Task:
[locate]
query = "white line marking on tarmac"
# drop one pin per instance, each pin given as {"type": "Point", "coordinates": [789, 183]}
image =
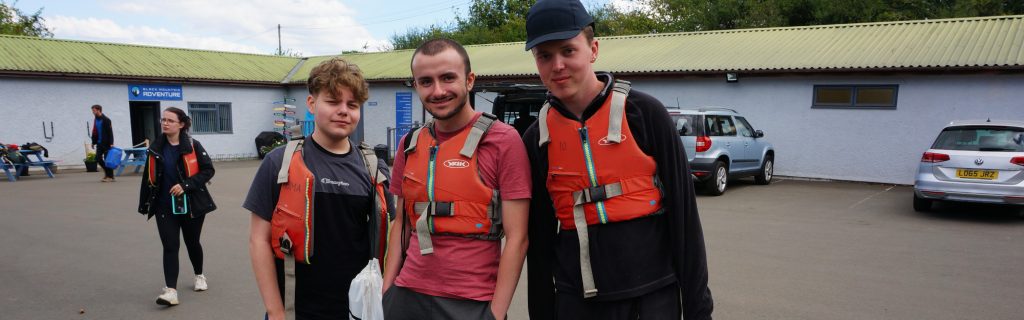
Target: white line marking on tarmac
{"type": "Point", "coordinates": [871, 196]}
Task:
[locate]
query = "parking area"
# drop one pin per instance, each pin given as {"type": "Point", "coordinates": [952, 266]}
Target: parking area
{"type": "Point", "coordinates": [791, 250]}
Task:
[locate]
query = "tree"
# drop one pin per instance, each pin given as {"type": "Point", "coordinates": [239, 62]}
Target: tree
{"type": "Point", "coordinates": [493, 21]}
{"type": "Point", "coordinates": [13, 21]}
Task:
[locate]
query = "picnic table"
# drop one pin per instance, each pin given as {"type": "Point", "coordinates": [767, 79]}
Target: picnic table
{"type": "Point", "coordinates": [133, 157]}
{"type": "Point", "coordinates": [35, 159]}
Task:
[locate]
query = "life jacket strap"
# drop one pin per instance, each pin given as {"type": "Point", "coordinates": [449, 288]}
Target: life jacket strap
{"type": "Point", "coordinates": [286, 162]}
{"type": "Point", "coordinates": [618, 108]}
{"type": "Point", "coordinates": [620, 90]}
{"type": "Point", "coordinates": [542, 125]}
{"type": "Point", "coordinates": [371, 162]}
{"type": "Point", "coordinates": [414, 137]}
{"type": "Point", "coordinates": [586, 271]}
{"type": "Point", "coordinates": [476, 133]}
{"type": "Point", "coordinates": [598, 193]}
{"type": "Point", "coordinates": [423, 233]}
{"type": "Point", "coordinates": [289, 285]}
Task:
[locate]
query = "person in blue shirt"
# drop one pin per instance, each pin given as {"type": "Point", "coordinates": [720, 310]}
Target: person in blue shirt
{"type": "Point", "coordinates": [102, 140]}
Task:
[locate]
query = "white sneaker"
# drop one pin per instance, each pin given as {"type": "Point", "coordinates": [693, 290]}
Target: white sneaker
{"type": "Point", "coordinates": [200, 283]}
{"type": "Point", "coordinates": [169, 298]}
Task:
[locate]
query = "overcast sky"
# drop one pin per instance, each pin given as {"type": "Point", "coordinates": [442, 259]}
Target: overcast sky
{"type": "Point", "coordinates": [310, 27]}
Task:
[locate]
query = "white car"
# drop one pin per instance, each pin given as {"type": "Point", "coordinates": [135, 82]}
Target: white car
{"type": "Point", "coordinates": [973, 161]}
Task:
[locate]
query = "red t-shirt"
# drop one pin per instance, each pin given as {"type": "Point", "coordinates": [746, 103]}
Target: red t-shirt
{"type": "Point", "coordinates": [460, 267]}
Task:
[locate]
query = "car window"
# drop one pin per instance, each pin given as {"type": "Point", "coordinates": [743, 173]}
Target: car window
{"type": "Point", "coordinates": [688, 121]}
{"type": "Point", "coordinates": [744, 128]}
{"type": "Point", "coordinates": [981, 139]}
{"type": "Point", "coordinates": [720, 125]}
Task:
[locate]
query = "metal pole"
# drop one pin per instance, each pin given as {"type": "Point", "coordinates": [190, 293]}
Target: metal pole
{"type": "Point", "coordinates": [279, 52]}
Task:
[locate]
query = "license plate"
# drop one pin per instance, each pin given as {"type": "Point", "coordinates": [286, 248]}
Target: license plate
{"type": "Point", "coordinates": [977, 174]}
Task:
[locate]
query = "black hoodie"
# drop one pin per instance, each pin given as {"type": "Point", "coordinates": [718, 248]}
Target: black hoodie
{"type": "Point", "coordinates": [630, 258]}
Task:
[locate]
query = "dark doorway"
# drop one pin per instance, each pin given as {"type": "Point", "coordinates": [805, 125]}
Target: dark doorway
{"type": "Point", "coordinates": [145, 120]}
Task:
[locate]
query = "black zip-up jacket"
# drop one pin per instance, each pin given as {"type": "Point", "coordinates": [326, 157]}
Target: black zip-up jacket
{"type": "Point", "coordinates": [200, 201]}
{"type": "Point", "coordinates": [630, 258]}
{"type": "Point", "coordinates": [107, 132]}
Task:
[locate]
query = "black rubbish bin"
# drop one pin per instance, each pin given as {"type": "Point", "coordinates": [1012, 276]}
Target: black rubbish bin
{"type": "Point", "coordinates": [381, 151]}
{"type": "Point", "coordinates": [265, 140]}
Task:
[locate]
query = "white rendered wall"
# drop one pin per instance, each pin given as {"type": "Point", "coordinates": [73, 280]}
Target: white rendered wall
{"type": "Point", "coordinates": [859, 145]}
{"type": "Point", "coordinates": [26, 103]}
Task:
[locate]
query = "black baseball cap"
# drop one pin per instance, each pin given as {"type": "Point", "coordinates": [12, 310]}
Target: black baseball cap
{"type": "Point", "coordinates": [555, 20]}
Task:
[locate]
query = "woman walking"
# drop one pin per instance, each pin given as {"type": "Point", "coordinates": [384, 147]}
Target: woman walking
{"type": "Point", "coordinates": [174, 190]}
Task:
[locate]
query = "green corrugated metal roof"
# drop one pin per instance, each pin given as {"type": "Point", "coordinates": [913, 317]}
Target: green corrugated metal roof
{"type": "Point", "coordinates": [972, 43]}
{"type": "Point", "coordinates": [986, 42]}
{"type": "Point", "coordinates": [26, 54]}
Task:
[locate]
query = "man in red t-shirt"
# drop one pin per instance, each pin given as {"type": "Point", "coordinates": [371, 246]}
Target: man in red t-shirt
{"type": "Point", "coordinates": [464, 183]}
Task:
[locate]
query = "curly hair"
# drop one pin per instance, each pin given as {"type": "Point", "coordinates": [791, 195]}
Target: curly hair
{"type": "Point", "coordinates": [335, 73]}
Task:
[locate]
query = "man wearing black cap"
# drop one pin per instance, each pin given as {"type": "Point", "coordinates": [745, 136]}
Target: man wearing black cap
{"type": "Point", "coordinates": [610, 175]}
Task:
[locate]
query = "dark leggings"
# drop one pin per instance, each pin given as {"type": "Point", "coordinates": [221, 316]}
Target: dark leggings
{"type": "Point", "coordinates": [168, 225]}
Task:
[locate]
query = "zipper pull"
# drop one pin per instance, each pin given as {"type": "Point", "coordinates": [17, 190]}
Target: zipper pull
{"type": "Point", "coordinates": [583, 134]}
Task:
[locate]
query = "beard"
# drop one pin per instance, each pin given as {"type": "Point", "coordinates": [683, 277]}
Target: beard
{"type": "Point", "coordinates": [461, 104]}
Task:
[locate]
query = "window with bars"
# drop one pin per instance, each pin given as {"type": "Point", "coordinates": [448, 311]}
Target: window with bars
{"type": "Point", "coordinates": [855, 96]}
{"type": "Point", "coordinates": [210, 117]}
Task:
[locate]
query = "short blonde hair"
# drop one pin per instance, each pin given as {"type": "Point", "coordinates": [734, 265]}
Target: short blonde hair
{"type": "Point", "coordinates": [335, 73]}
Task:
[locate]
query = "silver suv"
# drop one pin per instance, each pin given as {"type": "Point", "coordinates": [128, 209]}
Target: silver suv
{"type": "Point", "coordinates": [722, 145]}
{"type": "Point", "coordinates": [973, 161]}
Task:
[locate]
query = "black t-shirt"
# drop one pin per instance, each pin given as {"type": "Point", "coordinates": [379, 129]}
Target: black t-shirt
{"type": "Point", "coordinates": [629, 258]}
{"type": "Point", "coordinates": [341, 203]}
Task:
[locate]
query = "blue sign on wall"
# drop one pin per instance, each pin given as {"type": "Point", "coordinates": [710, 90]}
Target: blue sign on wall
{"type": "Point", "coordinates": [150, 92]}
{"type": "Point", "coordinates": [403, 114]}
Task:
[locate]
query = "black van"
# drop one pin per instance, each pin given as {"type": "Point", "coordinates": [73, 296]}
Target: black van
{"type": "Point", "coordinates": [516, 104]}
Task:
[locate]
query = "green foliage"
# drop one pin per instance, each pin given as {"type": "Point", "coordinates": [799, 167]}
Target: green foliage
{"type": "Point", "coordinates": [272, 146]}
{"type": "Point", "coordinates": [90, 156]}
{"type": "Point", "coordinates": [496, 21]}
{"type": "Point", "coordinates": [699, 15]}
{"type": "Point", "coordinates": [14, 22]}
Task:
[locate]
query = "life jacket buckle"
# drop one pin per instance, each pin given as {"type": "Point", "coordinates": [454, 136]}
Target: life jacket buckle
{"type": "Point", "coordinates": [286, 244]}
{"type": "Point", "coordinates": [595, 194]}
{"type": "Point", "coordinates": [442, 209]}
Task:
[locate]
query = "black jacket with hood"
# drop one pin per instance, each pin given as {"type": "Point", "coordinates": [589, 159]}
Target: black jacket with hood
{"type": "Point", "coordinates": [200, 202]}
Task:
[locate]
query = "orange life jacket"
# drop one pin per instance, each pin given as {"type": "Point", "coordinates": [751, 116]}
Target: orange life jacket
{"type": "Point", "coordinates": [597, 174]}
{"type": "Point", "coordinates": [292, 221]}
{"type": "Point", "coordinates": [191, 165]}
{"type": "Point", "coordinates": [442, 189]}
{"type": "Point", "coordinates": [291, 226]}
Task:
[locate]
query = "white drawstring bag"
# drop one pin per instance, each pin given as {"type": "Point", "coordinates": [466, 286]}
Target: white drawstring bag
{"type": "Point", "coordinates": [364, 296]}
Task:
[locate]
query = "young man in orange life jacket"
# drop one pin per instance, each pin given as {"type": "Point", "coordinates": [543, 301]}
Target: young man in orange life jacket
{"type": "Point", "coordinates": [613, 218]}
{"type": "Point", "coordinates": [318, 204]}
{"type": "Point", "coordinates": [463, 181]}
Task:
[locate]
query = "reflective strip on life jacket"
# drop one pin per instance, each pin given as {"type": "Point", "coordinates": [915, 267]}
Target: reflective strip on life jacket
{"type": "Point", "coordinates": [598, 174]}
{"type": "Point", "coordinates": [442, 189]}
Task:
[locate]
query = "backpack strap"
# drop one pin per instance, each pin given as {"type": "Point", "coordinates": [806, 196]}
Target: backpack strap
{"type": "Point", "coordinates": [286, 161]}
{"type": "Point", "coordinates": [476, 133]}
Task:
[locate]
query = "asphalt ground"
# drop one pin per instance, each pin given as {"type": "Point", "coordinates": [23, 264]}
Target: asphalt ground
{"type": "Point", "coordinates": [75, 248]}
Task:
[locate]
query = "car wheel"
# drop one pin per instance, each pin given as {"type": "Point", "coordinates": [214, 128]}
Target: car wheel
{"type": "Point", "coordinates": [767, 171]}
{"type": "Point", "coordinates": [719, 179]}
{"type": "Point", "coordinates": [922, 204]}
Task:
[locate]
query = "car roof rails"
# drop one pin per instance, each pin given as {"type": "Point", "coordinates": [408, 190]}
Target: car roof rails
{"type": "Point", "coordinates": [717, 109]}
{"type": "Point", "coordinates": [506, 87]}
